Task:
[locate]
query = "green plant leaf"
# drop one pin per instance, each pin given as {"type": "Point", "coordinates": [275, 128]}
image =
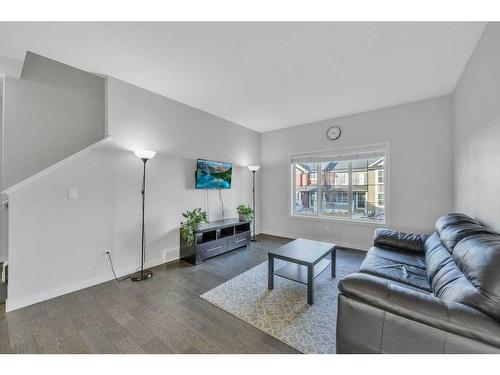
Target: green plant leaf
{"type": "Point", "coordinates": [194, 218]}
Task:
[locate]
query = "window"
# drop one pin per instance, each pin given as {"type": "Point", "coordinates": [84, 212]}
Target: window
{"type": "Point", "coordinates": [306, 182]}
{"type": "Point", "coordinates": [341, 197]}
{"type": "Point", "coordinates": [359, 200]}
{"type": "Point", "coordinates": [340, 187]}
{"type": "Point", "coordinates": [380, 199]}
{"type": "Point", "coordinates": [358, 178]}
{"type": "Point", "coordinates": [380, 176]}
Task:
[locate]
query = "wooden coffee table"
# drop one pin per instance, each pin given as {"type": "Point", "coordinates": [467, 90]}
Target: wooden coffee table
{"type": "Point", "coordinates": [306, 260]}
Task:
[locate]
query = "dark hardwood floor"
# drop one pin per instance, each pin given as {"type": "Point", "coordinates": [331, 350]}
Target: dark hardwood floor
{"type": "Point", "coordinates": [161, 315]}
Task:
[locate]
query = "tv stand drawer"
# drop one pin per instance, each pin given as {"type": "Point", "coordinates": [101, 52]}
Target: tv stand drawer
{"type": "Point", "coordinates": [239, 240]}
{"type": "Point", "coordinates": [213, 248]}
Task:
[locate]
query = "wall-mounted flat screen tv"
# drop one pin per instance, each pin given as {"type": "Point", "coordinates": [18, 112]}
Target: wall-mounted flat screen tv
{"type": "Point", "coordinates": [213, 174]}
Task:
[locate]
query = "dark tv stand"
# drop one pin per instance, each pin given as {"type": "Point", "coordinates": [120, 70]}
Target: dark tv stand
{"type": "Point", "coordinates": [215, 238]}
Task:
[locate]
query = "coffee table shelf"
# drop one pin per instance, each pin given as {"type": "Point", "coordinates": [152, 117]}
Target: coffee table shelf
{"type": "Point", "coordinates": [305, 259]}
{"type": "Point", "coordinates": [297, 272]}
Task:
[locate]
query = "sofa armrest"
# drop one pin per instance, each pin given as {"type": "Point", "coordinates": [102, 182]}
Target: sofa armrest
{"type": "Point", "coordinates": [421, 307]}
{"type": "Point", "coordinates": [399, 240]}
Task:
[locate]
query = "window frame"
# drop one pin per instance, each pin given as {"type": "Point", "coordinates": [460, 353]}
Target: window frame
{"type": "Point", "coordinates": [356, 152]}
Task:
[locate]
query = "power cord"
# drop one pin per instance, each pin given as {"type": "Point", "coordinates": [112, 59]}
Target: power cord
{"type": "Point", "coordinates": [221, 204]}
{"type": "Point", "coordinates": [129, 276]}
{"type": "Point", "coordinates": [113, 270]}
{"type": "Point", "coordinates": [207, 205]}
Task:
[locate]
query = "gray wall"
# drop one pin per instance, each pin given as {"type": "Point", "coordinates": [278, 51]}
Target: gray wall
{"type": "Point", "coordinates": [420, 169]}
{"type": "Point", "coordinates": [180, 134]}
{"type": "Point", "coordinates": [52, 112]}
{"type": "Point", "coordinates": [477, 132]}
{"type": "Point", "coordinates": [43, 125]}
{"type": "Point", "coordinates": [72, 235]}
{"type": "Point", "coordinates": [40, 69]}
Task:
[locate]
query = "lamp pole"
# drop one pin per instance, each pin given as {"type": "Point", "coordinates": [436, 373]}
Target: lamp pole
{"type": "Point", "coordinates": [253, 169]}
{"type": "Point", "coordinates": [254, 237]}
{"type": "Point", "coordinates": [143, 274]}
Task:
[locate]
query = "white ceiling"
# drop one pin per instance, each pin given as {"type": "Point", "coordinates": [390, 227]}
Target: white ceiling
{"type": "Point", "coordinates": [264, 76]}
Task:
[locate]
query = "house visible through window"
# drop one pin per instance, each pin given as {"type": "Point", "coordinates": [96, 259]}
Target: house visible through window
{"type": "Point", "coordinates": [343, 186]}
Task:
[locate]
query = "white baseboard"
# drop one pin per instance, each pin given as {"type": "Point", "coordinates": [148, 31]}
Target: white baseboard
{"type": "Point", "coordinates": [14, 304]}
{"type": "Point", "coordinates": [171, 254]}
{"type": "Point", "coordinates": [348, 245]}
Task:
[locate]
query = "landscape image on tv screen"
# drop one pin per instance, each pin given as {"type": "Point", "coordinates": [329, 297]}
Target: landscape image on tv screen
{"type": "Point", "coordinates": [213, 174]}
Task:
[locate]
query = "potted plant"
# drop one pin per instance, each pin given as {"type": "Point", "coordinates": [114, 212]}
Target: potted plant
{"type": "Point", "coordinates": [188, 228]}
{"type": "Point", "coordinates": [245, 212]}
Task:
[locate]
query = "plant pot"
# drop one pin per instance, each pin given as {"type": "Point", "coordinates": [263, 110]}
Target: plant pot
{"type": "Point", "coordinates": [243, 217]}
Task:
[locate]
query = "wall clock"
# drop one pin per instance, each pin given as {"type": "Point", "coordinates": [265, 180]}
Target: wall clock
{"type": "Point", "coordinates": [333, 133]}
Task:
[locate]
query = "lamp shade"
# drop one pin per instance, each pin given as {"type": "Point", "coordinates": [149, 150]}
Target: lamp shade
{"type": "Point", "coordinates": [254, 168]}
{"type": "Point", "coordinates": [145, 154]}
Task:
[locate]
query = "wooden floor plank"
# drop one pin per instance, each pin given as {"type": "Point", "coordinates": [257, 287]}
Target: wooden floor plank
{"type": "Point", "coordinates": [20, 337]}
{"type": "Point", "coordinates": [70, 338]}
{"type": "Point", "coordinates": [42, 329]}
{"type": "Point", "coordinates": [156, 346]}
{"type": "Point", "coordinates": [4, 336]}
{"type": "Point", "coordinates": [97, 341]}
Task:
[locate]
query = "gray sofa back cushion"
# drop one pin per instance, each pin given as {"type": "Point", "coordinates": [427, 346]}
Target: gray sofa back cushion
{"type": "Point", "coordinates": [453, 234]}
{"type": "Point", "coordinates": [463, 263]}
{"type": "Point", "coordinates": [438, 262]}
{"type": "Point", "coordinates": [453, 219]}
{"type": "Point", "coordinates": [478, 257]}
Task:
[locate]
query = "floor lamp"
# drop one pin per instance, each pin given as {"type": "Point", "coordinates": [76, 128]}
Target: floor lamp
{"type": "Point", "coordinates": [253, 169]}
{"type": "Point", "coordinates": [144, 155]}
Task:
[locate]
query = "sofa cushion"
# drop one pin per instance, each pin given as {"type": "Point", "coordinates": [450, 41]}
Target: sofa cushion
{"type": "Point", "coordinates": [454, 233]}
{"type": "Point", "coordinates": [406, 267]}
{"type": "Point", "coordinates": [454, 219]}
{"type": "Point", "coordinates": [395, 239]}
{"type": "Point", "coordinates": [473, 277]}
{"type": "Point", "coordinates": [438, 261]}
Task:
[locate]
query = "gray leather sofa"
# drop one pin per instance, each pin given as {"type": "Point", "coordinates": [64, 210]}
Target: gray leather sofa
{"type": "Point", "coordinates": [437, 293]}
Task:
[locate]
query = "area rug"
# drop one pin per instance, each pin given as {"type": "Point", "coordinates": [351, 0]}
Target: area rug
{"type": "Point", "coordinates": [283, 312]}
